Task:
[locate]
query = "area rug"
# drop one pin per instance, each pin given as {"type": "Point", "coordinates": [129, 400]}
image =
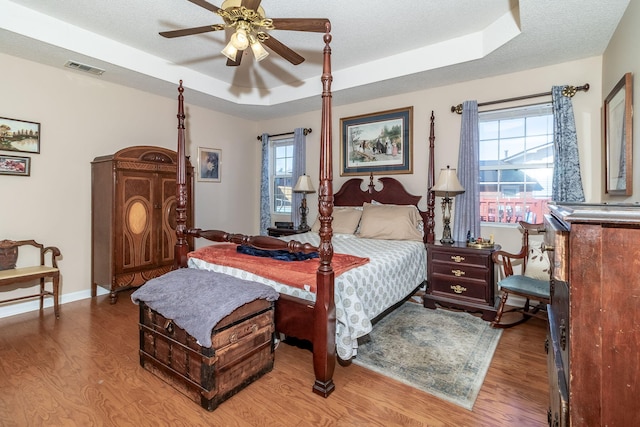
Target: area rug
{"type": "Point", "coordinates": [444, 353]}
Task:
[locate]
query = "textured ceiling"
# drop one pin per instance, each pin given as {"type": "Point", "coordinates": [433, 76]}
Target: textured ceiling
{"type": "Point", "coordinates": [379, 47]}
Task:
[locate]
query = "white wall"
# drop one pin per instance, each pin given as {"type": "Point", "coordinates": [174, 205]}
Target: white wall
{"type": "Point", "coordinates": [83, 117]}
{"type": "Point", "coordinates": [447, 127]}
{"type": "Point", "coordinates": [620, 57]}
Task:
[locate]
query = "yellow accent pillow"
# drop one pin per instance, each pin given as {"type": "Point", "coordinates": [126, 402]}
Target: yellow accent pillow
{"type": "Point", "coordinates": [390, 222]}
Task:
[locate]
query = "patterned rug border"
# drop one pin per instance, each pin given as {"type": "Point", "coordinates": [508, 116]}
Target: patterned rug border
{"type": "Point", "coordinates": [468, 398]}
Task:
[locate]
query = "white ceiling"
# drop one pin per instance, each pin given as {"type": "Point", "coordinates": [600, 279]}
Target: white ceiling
{"type": "Point", "coordinates": [379, 47]}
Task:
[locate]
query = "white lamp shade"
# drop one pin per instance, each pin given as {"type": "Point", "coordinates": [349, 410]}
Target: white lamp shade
{"type": "Point", "coordinates": [259, 51]}
{"type": "Point", "coordinates": [239, 39]}
{"type": "Point", "coordinates": [304, 185]}
{"type": "Point", "coordinates": [447, 183]}
{"type": "Point", "coordinates": [230, 51]}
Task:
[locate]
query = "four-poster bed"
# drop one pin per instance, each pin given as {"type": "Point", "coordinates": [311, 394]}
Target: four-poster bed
{"type": "Point", "coordinates": [297, 317]}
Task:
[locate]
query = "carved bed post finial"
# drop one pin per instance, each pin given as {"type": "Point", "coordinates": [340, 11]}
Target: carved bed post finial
{"type": "Point", "coordinates": [371, 184]}
{"type": "Point", "coordinates": [182, 246]}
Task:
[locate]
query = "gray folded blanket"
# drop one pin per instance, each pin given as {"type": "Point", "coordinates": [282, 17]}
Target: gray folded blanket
{"type": "Point", "coordinates": [196, 300]}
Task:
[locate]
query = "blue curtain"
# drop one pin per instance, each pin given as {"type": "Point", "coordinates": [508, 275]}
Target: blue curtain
{"type": "Point", "coordinates": [567, 181]}
{"type": "Point", "coordinates": [299, 168]}
{"type": "Point", "coordinates": [265, 200]}
{"type": "Point", "coordinates": [466, 206]}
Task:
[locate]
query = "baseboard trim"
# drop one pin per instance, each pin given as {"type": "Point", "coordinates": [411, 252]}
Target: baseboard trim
{"type": "Point", "coordinates": [34, 305]}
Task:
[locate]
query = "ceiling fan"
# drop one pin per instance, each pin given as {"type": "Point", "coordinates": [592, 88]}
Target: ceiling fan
{"type": "Point", "coordinates": [247, 18]}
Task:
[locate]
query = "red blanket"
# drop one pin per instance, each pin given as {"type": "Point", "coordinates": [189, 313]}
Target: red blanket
{"type": "Point", "coordinates": [299, 274]}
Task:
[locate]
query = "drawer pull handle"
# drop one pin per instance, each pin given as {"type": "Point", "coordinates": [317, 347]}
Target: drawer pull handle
{"type": "Point", "coordinates": [547, 248]}
{"type": "Point", "coordinates": [458, 273]}
{"type": "Point", "coordinates": [457, 258]}
{"type": "Point", "coordinates": [458, 289]}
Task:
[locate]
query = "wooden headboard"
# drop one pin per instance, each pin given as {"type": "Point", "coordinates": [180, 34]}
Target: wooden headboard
{"type": "Point", "coordinates": [393, 192]}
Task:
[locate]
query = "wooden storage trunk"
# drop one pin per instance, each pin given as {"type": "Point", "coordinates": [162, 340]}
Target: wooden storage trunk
{"type": "Point", "coordinates": [242, 351]}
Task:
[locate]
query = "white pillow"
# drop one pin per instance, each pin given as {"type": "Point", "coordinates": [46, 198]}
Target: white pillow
{"type": "Point", "coordinates": [538, 266]}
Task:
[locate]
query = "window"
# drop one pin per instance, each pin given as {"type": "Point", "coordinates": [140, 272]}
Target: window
{"type": "Point", "coordinates": [516, 163]}
{"type": "Point", "coordinates": [281, 170]}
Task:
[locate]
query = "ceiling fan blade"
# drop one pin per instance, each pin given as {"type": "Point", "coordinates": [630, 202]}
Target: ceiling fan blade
{"type": "Point", "coordinates": [283, 51]}
{"type": "Point", "coordinates": [206, 5]}
{"type": "Point", "coordinates": [251, 4]}
{"type": "Point", "coordinates": [238, 60]}
{"type": "Point", "coordinates": [189, 31]}
{"type": "Point", "coordinates": [316, 25]}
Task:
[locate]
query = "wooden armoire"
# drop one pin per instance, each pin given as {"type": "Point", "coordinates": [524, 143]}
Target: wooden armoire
{"type": "Point", "coordinates": [133, 216]}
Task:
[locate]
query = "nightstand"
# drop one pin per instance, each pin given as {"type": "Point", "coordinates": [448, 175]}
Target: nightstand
{"type": "Point", "coordinates": [461, 277]}
{"type": "Point", "coordinates": [277, 232]}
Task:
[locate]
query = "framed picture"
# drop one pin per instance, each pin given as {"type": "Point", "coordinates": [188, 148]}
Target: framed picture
{"type": "Point", "coordinates": [618, 138]}
{"type": "Point", "coordinates": [18, 135]}
{"type": "Point", "coordinates": [14, 165]}
{"type": "Point", "coordinates": [379, 143]}
{"type": "Point", "coordinates": [209, 161]}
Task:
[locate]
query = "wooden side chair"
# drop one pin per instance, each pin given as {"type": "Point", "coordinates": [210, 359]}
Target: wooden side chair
{"type": "Point", "coordinates": [532, 284]}
{"type": "Point", "coordinates": [42, 271]}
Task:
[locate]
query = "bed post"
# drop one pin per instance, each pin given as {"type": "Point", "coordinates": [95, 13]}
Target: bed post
{"type": "Point", "coordinates": [324, 311]}
{"type": "Point", "coordinates": [182, 247]}
{"type": "Point", "coordinates": [431, 195]}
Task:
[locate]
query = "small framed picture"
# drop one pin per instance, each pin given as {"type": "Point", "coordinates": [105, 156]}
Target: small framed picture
{"type": "Point", "coordinates": [19, 135]}
{"type": "Point", "coordinates": [15, 165]}
{"type": "Point", "coordinates": [209, 162]}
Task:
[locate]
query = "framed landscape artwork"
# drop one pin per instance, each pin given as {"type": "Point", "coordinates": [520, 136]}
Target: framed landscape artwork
{"type": "Point", "coordinates": [377, 143]}
{"type": "Point", "coordinates": [19, 135]}
{"type": "Point", "coordinates": [209, 161]}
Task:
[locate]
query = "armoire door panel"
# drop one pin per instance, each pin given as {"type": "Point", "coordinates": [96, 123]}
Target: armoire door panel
{"type": "Point", "coordinates": [136, 238]}
{"type": "Point", "coordinates": [167, 228]}
{"type": "Point", "coordinates": [138, 246]}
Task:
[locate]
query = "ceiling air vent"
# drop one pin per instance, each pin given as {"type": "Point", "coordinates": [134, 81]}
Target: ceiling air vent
{"type": "Point", "coordinates": [84, 67]}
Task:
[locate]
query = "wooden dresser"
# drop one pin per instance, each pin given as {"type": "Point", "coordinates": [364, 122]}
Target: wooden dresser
{"type": "Point", "coordinates": [461, 277]}
{"type": "Point", "coordinates": [594, 316]}
{"type": "Point", "coordinates": [133, 216]}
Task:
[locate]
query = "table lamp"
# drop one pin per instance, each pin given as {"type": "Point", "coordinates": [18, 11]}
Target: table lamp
{"type": "Point", "coordinates": [447, 185]}
{"type": "Point", "coordinates": [304, 186]}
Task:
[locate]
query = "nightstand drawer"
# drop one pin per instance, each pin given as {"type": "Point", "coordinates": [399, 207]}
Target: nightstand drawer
{"type": "Point", "coordinates": [459, 257]}
{"type": "Point", "coordinates": [462, 288]}
{"type": "Point", "coordinates": [464, 271]}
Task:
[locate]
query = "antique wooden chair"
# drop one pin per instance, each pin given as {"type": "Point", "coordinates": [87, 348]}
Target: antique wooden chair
{"type": "Point", "coordinates": [45, 269]}
{"type": "Point", "coordinates": [532, 283]}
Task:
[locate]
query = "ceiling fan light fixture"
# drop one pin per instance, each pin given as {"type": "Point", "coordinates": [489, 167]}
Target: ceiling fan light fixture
{"type": "Point", "coordinates": [258, 50]}
{"type": "Point", "coordinates": [230, 51]}
{"type": "Point", "coordinates": [240, 39]}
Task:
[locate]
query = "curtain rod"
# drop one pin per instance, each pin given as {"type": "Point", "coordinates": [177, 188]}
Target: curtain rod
{"type": "Point", "coordinates": [567, 91]}
{"type": "Point", "coordinates": [306, 131]}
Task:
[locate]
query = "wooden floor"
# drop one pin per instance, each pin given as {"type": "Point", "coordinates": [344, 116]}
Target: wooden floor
{"type": "Point", "coordinates": [83, 370]}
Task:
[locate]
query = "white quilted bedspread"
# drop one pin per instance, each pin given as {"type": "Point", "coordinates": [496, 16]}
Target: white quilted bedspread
{"type": "Point", "coordinates": [395, 269]}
